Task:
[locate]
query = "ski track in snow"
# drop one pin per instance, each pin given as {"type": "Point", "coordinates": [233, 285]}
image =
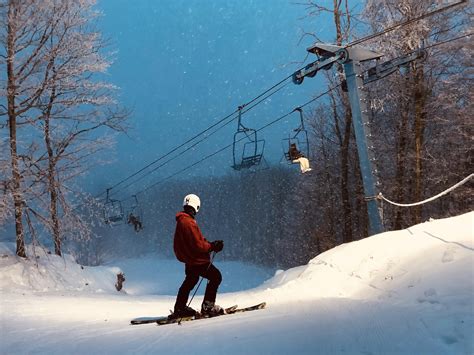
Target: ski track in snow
{"type": "Point", "coordinates": [406, 292]}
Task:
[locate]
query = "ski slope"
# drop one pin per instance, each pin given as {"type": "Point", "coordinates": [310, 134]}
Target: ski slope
{"type": "Point", "coordinates": [403, 292]}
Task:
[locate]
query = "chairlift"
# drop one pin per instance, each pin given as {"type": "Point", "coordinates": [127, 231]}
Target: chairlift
{"type": "Point", "coordinates": [135, 214]}
{"type": "Point", "coordinates": [113, 211]}
{"type": "Point", "coordinates": [247, 148]}
{"type": "Point", "coordinates": [298, 137]}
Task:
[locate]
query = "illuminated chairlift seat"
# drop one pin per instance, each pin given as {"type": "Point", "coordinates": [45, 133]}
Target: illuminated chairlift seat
{"type": "Point", "coordinates": [299, 138]}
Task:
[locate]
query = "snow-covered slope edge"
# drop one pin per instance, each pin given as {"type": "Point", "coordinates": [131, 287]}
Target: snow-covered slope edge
{"type": "Point", "coordinates": [48, 272]}
{"type": "Point", "coordinates": [146, 275]}
{"type": "Point", "coordinates": [428, 262]}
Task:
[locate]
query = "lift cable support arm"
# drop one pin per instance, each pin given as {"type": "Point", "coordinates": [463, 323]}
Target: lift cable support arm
{"type": "Point", "coordinates": [325, 62]}
{"type": "Point", "coordinates": [382, 70]}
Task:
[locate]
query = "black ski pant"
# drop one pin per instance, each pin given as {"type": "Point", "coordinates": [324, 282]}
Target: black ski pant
{"type": "Point", "coordinates": [193, 272]}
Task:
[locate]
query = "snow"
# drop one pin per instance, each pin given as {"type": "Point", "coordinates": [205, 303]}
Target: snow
{"type": "Point", "coordinates": [403, 292]}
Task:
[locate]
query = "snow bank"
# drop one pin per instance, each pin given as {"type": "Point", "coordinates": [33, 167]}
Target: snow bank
{"type": "Point", "coordinates": [148, 275]}
{"type": "Point", "coordinates": [429, 262]}
{"type": "Point", "coordinates": [43, 272]}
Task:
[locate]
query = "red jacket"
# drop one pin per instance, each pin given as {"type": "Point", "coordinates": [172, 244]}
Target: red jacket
{"type": "Point", "coordinates": [190, 246]}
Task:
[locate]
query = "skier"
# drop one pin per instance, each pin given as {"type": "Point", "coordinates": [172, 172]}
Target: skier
{"type": "Point", "coordinates": [135, 221]}
{"type": "Point", "coordinates": [192, 249]}
{"type": "Point", "coordinates": [297, 157]}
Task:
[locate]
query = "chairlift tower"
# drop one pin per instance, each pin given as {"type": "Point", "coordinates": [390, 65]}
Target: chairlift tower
{"type": "Point", "coordinates": [351, 59]}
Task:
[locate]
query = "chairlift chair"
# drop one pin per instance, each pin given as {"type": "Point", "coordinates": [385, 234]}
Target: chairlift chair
{"type": "Point", "coordinates": [135, 209]}
{"type": "Point", "coordinates": [298, 137]}
{"type": "Point", "coordinates": [113, 211]}
{"type": "Point", "coordinates": [247, 148]}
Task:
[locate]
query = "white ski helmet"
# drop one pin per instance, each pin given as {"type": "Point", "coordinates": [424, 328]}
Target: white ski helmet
{"type": "Point", "coordinates": [193, 201]}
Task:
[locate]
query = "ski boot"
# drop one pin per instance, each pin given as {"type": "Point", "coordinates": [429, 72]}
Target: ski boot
{"type": "Point", "coordinates": [185, 312]}
{"type": "Point", "coordinates": [210, 309]}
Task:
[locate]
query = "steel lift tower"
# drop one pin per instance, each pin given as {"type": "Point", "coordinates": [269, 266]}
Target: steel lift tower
{"type": "Point", "coordinates": [355, 78]}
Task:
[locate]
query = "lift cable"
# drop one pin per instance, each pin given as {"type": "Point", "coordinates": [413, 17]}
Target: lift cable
{"type": "Point", "coordinates": [208, 135]}
{"type": "Point", "coordinates": [170, 152]}
{"type": "Point", "coordinates": [405, 23]}
{"type": "Point", "coordinates": [200, 133]}
{"type": "Point", "coordinates": [448, 40]}
{"type": "Point", "coordinates": [230, 145]}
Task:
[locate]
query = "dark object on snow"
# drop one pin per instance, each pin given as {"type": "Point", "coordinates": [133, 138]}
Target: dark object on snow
{"type": "Point", "coordinates": [120, 281]}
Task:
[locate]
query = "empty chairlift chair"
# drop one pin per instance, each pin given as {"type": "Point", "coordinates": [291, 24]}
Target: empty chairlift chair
{"type": "Point", "coordinates": [247, 148]}
{"type": "Point", "coordinates": [113, 211]}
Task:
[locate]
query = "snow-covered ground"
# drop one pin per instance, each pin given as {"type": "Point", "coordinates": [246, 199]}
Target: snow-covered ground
{"type": "Point", "coordinates": [404, 292]}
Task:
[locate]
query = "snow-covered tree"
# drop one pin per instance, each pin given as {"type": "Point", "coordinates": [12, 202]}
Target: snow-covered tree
{"type": "Point", "coordinates": [422, 116]}
{"type": "Point", "coordinates": [24, 31]}
{"type": "Point", "coordinates": [73, 105]}
{"type": "Point", "coordinates": [53, 54]}
{"type": "Point", "coordinates": [417, 114]}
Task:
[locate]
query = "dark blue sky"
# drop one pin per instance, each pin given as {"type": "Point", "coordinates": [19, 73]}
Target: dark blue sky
{"type": "Point", "coordinates": [184, 65]}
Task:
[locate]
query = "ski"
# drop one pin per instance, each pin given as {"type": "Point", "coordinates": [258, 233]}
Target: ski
{"type": "Point", "coordinates": [247, 309]}
{"type": "Point", "coordinates": [167, 320]}
{"type": "Point", "coordinates": [230, 310]}
{"type": "Point", "coordinates": [146, 320]}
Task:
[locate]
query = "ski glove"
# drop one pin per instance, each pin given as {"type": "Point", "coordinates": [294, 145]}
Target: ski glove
{"type": "Point", "coordinates": [217, 246]}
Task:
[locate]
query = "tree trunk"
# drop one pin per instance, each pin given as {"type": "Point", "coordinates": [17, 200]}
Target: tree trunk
{"type": "Point", "coordinates": [420, 122]}
{"type": "Point", "coordinates": [401, 162]}
{"type": "Point", "coordinates": [16, 177]}
{"type": "Point", "coordinates": [51, 172]}
{"type": "Point", "coordinates": [337, 21]}
{"type": "Point", "coordinates": [346, 204]}
{"type": "Point", "coordinates": [53, 193]}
